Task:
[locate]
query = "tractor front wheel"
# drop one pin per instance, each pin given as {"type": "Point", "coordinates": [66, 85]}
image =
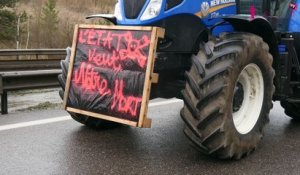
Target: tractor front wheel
{"type": "Point", "coordinates": [83, 119]}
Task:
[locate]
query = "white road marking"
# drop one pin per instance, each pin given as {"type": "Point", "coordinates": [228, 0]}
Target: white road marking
{"type": "Point", "coordinates": [34, 123]}
{"type": "Point", "coordinates": [165, 102]}
{"type": "Point", "coordinates": [65, 118]}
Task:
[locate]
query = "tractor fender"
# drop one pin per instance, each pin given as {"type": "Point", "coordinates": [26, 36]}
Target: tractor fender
{"type": "Point", "coordinates": [259, 26]}
{"type": "Point", "coordinates": [109, 17]}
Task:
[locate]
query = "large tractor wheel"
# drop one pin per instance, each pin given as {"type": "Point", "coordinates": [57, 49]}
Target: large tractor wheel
{"type": "Point", "coordinates": [228, 95]}
{"type": "Point", "coordinates": [291, 109]}
{"type": "Point", "coordinates": [83, 119]}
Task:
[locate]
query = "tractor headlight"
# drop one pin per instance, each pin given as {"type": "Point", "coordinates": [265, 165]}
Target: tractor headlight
{"type": "Point", "coordinates": [153, 9]}
{"type": "Point", "coordinates": [118, 13]}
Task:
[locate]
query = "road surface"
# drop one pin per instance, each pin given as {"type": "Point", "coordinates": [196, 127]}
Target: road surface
{"type": "Point", "coordinates": [49, 142]}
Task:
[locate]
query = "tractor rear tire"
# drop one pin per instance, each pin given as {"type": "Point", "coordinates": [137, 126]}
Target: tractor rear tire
{"type": "Point", "coordinates": [291, 109]}
{"type": "Point", "coordinates": [83, 119]}
{"type": "Point", "coordinates": [228, 95]}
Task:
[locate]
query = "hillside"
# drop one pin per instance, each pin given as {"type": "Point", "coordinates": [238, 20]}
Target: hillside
{"type": "Point", "coordinates": [33, 34]}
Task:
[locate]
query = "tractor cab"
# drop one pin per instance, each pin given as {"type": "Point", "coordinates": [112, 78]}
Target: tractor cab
{"type": "Point", "coordinates": [282, 14]}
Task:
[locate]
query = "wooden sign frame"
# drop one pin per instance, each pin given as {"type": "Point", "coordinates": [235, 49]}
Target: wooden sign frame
{"type": "Point", "coordinates": [150, 77]}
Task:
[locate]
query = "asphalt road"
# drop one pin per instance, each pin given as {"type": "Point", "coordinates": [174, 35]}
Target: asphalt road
{"type": "Point", "coordinates": [63, 146]}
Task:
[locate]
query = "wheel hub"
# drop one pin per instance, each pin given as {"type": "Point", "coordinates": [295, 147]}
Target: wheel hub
{"type": "Point", "coordinates": [248, 98]}
{"type": "Point", "coordinates": [238, 97]}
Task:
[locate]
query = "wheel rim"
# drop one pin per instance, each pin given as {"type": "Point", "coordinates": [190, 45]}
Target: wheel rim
{"type": "Point", "coordinates": [247, 111]}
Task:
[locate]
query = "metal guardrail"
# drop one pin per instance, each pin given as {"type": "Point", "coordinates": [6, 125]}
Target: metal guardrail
{"type": "Point", "coordinates": [29, 73]}
{"type": "Point", "coordinates": [17, 64]}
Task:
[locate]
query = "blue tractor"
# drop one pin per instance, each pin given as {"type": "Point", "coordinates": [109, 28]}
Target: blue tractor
{"type": "Point", "coordinates": [227, 59]}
